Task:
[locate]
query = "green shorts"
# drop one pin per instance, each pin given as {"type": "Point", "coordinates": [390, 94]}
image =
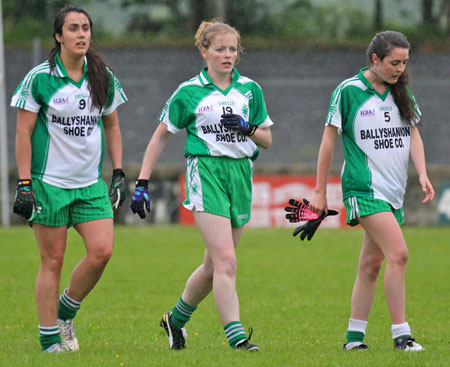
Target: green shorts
{"type": "Point", "coordinates": [67, 207]}
{"type": "Point", "coordinates": [221, 186]}
{"type": "Point", "coordinates": [359, 207]}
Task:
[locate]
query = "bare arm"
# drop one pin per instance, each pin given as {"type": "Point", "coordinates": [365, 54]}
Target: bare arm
{"type": "Point", "coordinates": [26, 121]}
{"type": "Point", "coordinates": [113, 138]}
{"type": "Point", "coordinates": [262, 137]}
{"type": "Point", "coordinates": [319, 201]}
{"type": "Point", "coordinates": [154, 149]}
{"type": "Point", "coordinates": [418, 156]}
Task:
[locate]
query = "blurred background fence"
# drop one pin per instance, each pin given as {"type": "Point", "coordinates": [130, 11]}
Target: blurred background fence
{"type": "Point", "coordinates": [296, 70]}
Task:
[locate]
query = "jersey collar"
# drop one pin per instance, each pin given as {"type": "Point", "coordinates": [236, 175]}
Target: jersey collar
{"type": "Point", "coordinates": [62, 72]}
{"type": "Point", "coordinates": [370, 87]}
{"type": "Point", "coordinates": [206, 80]}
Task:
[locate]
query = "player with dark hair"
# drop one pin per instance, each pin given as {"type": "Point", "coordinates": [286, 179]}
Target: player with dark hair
{"type": "Point", "coordinates": [67, 109]}
{"type": "Point", "coordinates": [377, 116]}
{"type": "Point", "coordinates": [225, 118]}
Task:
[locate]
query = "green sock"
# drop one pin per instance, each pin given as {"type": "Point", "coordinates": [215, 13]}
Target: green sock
{"type": "Point", "coordinates": [68, 307]}
{"type": "Point", "coordinates": [354, 336]}
{"type": "Point", "coordinates": [49, 335]}
{"type": "Point", "coordinates": [234, 332]}
{"type": "Point", "coordinates": [181, 313]}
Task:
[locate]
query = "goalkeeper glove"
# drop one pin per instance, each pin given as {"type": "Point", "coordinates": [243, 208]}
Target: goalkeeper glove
{"type": "Point", "coordinates": [236, 122]}
{"type": "Point", "coordinates": [24, 201]}
{"type": "Point", "coordinates": [140, 197]}
{"type": "Point", "coordinates": [117, 188]}
{"type": "Point", "coordinates": [301, 212]}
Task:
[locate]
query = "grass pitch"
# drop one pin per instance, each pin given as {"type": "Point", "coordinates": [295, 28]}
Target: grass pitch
{"type": "Point", "coordinates": [296, 296]}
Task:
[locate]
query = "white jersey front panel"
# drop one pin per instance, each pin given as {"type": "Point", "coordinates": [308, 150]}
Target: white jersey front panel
{"type": "Point", "coordinates": [75, 147]}
{"type": "Point", "coordinates": [197, 106]}
{"type": "Point", "coordinates": [385, 140]}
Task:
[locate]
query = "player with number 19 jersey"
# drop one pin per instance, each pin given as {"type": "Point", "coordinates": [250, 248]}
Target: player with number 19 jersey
{"type": "Point", "coordinates": [197, 106]}
{"type": "Point", "coordinates": [376, 141]}
{"type": "Point", "coordinates": [67, 141]}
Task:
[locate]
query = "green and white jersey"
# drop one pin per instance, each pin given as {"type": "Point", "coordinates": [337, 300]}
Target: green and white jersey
{"type": "Point", "coordinates": [197, 105]}
{"type": "Point", "coordinates": [376, 141]}
{"type": "Point", "coordinates": [67, 141]}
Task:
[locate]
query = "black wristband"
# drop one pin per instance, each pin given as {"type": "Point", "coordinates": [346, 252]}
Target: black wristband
{"type": "Point", "coordinates": [252, 130]}
{"type": "Point", "coordinates": [143, 183]}
{"type": "Point", "coordinates": [118, 172]}
{"type": "Point", "coordinates": [23, 182]}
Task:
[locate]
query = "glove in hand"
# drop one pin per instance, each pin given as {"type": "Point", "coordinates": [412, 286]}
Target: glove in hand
{"type": "Point", "coordinates": [117, 188]}
{"type": "Point", "coordinates": [24, 201]}
{"type": "Point", "coordinates": [300, 212]}
{"type": "Point", "coordinates": [236, 122]}
{"type": "Point", "coordinates": [140, 197]}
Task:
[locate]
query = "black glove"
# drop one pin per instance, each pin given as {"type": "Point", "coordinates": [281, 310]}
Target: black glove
{"type": "Point", "coordinates": [309, 228]}
{"type": "Point", "coordinates": [117, 188]}
{"type": "Point", "coordinates": [301, 212]}
{"type": "Point", "coordinates": [236, 122]}
{"type": "Point", "coordinates": [140, 197]}
{"type": "Point", "coordinates": [24, 202]}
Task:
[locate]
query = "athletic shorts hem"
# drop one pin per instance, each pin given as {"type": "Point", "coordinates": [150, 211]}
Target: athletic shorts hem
{"type": "Point", "coordinates": [357, 207]}
{"type": "Point", "coordinates": [235, 223]}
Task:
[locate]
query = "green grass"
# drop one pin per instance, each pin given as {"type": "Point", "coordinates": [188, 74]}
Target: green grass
{"type": "Point", "coordinates": [295, 295]}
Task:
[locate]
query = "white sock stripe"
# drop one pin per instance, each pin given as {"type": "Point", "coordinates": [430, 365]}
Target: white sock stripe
{"type": "Point", "coordinates": [182, 309]}
{"type": "Point", "coordinates": [48, 330]}
{"type": "Point", "coordinates": [236, 333]}
{"type": "Point", "coordinates": [234, 329]}
{"type": "Point", "coordinates": [71, 300]}
{"type": "Point", "coordinates": [69, 304]}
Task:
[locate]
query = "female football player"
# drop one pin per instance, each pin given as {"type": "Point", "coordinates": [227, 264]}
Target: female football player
{"type": "Point", "coordinates": [377, 116]}
{"type": "Point", "coordinates": [67, 107]}
{"type": "Point", "coordinates": [225, 118]}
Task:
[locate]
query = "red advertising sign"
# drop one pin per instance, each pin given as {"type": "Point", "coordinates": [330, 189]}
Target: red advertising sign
{"type": "Point", "coordinates": [272, 193]}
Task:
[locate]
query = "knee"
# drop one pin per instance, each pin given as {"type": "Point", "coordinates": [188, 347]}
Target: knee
{"type": "Point", "coordinates": [399, 257]}
{"type": "Point", "coordinates": [101, 256]}
{"type": "Point", "coordinates": [53, 261]}
{"type": "Point", "coordinates": [227, 265]}
{"type": "Point", "coordinates": [371, 267]}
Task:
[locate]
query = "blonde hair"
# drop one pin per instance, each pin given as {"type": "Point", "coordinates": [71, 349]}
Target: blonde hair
{"type": "Point", "coordinates": [208, 30]}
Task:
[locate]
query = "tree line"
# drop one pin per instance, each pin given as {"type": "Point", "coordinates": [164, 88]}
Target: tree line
{"type": "Point", "coordinates": [298, 19]}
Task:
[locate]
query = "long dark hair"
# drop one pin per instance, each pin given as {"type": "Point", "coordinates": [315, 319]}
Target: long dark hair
{"type": "Point", "coordinates": [98, 76]}
{"type": "Point", "coordinates": [382, 45]}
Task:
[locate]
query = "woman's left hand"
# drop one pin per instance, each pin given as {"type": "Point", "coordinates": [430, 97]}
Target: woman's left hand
{"type": "Point", "coordinates": [427, 188]}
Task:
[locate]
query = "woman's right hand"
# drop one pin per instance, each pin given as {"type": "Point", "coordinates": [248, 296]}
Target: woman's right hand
{"type": "Point", "coordinates": [318, 204]}
{"type": "Point", "coordinates": [140, 199]}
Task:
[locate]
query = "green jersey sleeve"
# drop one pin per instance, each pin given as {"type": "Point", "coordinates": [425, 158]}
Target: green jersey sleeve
{"type": "Point", "coordinates": [116, 95]}
{"type": "Point", "coordinates": [176, 113]}
{"type": "Point", "coordinates": [26, 95]}
{"type": "Point", "coordinates": [258, 111]}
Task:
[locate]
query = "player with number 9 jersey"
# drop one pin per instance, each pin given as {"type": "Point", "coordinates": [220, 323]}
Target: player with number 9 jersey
{"type": "Point", "coordinates": [66, 115]}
